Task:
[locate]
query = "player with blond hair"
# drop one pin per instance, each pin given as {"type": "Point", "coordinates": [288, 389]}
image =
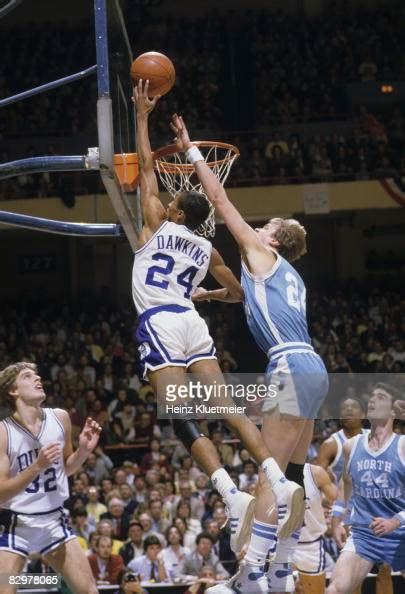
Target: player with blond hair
{"type": "Point", "coordinates": [275, 305]}
{"type": "Point", "coordinates": [36, 457]}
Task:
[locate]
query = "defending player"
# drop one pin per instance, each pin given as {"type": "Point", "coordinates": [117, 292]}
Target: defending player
{"type": "Point", "coordinates": [36, 457]}
{"type": "Point", "coordinates": [375, 481]}
{"type": "Point", "coordinates": [309, 556]}
{"type": "Point", "coordinates": [168, 267]}
{"type": "Point", "coordinates": [275, 307]}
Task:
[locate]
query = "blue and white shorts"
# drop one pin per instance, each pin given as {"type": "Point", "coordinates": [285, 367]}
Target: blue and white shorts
{"type": "Point", "coordinates": [389, 549]}
{"type": "Point", "coordinates": [28, 533]}
{"type": "Point", "coordinates": [310, 557]}
{"type": "Point", "coordinates": [172, 335]}
{"type": "Point", "coordinates": [300, 381]}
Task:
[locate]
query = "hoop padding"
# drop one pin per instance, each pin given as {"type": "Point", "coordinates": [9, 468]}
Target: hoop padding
{"type": "Point", "coordinates": [179, 176]}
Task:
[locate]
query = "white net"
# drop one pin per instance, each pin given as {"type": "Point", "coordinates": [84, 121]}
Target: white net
{"type": "Point", "coordinates": [179, 176]}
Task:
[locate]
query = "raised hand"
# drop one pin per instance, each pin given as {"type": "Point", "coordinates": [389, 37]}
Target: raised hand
{"type": "Point", "coordinates": [144, 104]}
{"type": "Point", "coordinates": [89, 436]}
{"type": "Point", "coordinates": [182, 138]}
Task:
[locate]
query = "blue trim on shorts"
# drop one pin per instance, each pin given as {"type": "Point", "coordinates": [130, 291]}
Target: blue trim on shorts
{"type": "Point", "coordinates": [174, 308]}
{"type": "Point", "coordinates": [160, 346]}
{"type": "Point", "coordinates": [13, 527]}
{"type": "Point", "coordinates": [209, 354]}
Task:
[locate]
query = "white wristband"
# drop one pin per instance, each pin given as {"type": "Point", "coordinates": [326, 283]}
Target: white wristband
{"type": "Point", "coordinates": [401, 517]}
{"type": "Point", "coordinates": [193, 154]}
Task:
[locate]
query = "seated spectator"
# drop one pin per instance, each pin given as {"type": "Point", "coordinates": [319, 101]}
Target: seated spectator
{"type": "Point", "coordinates": [154, 455]}
{"type": "Point", "coordinates": [127, 495]}
{"type": "Point", "coordinates": [105, 528]}
{"type": "Point", "coordinates": [193, 526]}
{"type": "Point", "coordinates": [204, 555]}
{"type": "Point", "coordinates": [105, 566]}
{"type": "Point", "coordinates": [206, 579]}
{"type": "Point", "coordinates": [127, 418]}
{"type": "Point", "coordinates": [175, 553]}
{"type": "Point", "coordinates": [221, 541]}
{"type": "Point", "coordinates": [120, 520]}
{"type": "Point", "coordinates": [145, 520]}
{"type": "Point", "coordinates": [140, 492]}
{"type": "Point", "coordinates": [249, 476]}
{"type": "Point", "coordinates": [133, 547]}
{"type": "Point", "coordinates": [83, 524]}
{"type": "Point", "coordinates": [149, 566]}
{"type": "Point", "coordinates": [106, 488]}
{"type": "Point", "coordinates": [187, 493]}
{"type": "Point", "coordinates": [98, 465]}
{"type": "Point", "coordinates": [129, 583]}
{"type": "Point", "coordinates": [159, 523]}
{"type": "Point", "coordinates": [94, 506]}
{"type": "Point", "coordinates": [225, 450]}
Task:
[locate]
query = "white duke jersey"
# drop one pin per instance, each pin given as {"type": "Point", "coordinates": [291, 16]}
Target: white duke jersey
{"type": "Point", "coordinates": [275, 305]}
{"type": "Point", "coordinates": [314, 519]}
{"type": "Point", "coordinates": [378, 479]}
{"type": "Point", "coordinates": [169, 267]}
{"type": "Point", "coordinates": [50, 488]}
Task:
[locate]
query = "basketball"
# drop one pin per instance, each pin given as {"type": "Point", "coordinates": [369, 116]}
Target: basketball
{"type": "Point", "coordinates": [157, 68]}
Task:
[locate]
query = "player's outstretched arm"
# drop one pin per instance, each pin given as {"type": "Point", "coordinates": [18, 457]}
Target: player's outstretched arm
{"type": "Point", "coordinates": [327, 452]}
{"type": "Point", "coordinates": [88, 440]}
{"type": "Point", "coordinates": [242, 232]}
{"type": "Point", "coordinates": [232, 291]}
{"type": "Point", "coordinates": [152, 209]}
{"type": "Point", "coordinates": [10, 487]}
{"type": "Point", "coordinates": [324, 483]}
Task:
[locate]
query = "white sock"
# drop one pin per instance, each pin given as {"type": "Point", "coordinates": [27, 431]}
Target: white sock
{"type": "Point", "coordinates": [262, 542]}
{"type": "Point", "coordinates": [272, 471]}
{"type": "Point", "coordinates": [224, 484]}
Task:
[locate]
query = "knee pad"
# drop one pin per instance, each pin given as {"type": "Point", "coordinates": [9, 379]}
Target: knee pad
{"type": "Point", "coordinates": [187, 430]}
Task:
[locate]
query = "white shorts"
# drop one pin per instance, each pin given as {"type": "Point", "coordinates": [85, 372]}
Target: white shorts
{"type": "Point", "coordinates": [172, 335]}
{"type": "Point", "coordinates": [309, 557]}
{"type": "Point", "coordinates": [28, 533]}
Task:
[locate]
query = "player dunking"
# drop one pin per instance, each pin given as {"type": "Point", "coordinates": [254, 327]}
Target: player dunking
{"type": "Point", "coordinates": [168, 267]}
{"type": "Point", "coordinates": [276, 314]}
{"type": "Point", "coordinates": [36, 457]}
{"type": "Point", "coordinates": [375, 480]}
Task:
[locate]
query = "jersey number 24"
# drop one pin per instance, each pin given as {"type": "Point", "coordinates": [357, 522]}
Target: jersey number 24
{"type": "Point", "coordinates": [185, 278]}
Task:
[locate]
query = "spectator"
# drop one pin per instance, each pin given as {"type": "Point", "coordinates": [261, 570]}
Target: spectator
{"type": "Point", "coordinates": [206, 579]}
{"type": "Point", "coordinates": [105, 528]}
{"type": "Point", "coordinates": [133, 547]}
{"type": "Point", "coordinates": [120, 520]}
{"type": "Point", "coordinates": [127, 496]}
{"type": "Point", "coordinates": [105, 566]}
{"type": "Point", "coordinates": [175, 553]}
{"type": "Point", "coordinates": [159, 523]}
{"type": "Point", "coordinates": [83, 524]}
{"type": "Point", "coordinates": [249, 477]}
{"type": "Point", "coordinates": [98, 465]}
{"type": "Point", "coordinates": [203, 555]}
{"type": "Point", "coordinates": [149, 566]}
{"type": "Point", "coordinates": [193, 526]}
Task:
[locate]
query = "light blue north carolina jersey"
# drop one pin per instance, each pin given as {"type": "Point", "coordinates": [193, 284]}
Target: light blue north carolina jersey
{"type": "Point", "coordinates": [378, 480]}
{"type": "Point", "coordinates": [275, 305]}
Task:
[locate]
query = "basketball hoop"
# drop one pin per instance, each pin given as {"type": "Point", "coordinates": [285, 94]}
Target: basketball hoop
{"type": "Point", "coordinates": [179, 176]}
